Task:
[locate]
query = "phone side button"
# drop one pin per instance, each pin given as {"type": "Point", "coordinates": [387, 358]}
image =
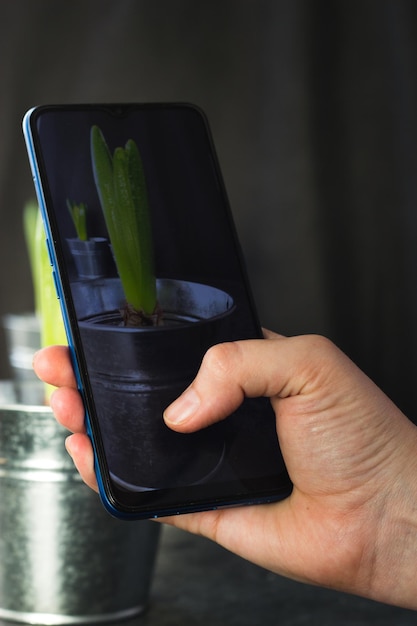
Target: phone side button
{"type": "Point", "coordinates": [48, 245]}
{"type": "Point", "coordinates": [55, 283]}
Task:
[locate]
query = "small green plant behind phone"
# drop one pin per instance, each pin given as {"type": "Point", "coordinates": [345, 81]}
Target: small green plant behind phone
{"type": "Point", "coordinates": [121, 187]}
{"type": "Point", "coordinates": [47, 307]}
{"type": "Point", "coordinates": [78, 212]}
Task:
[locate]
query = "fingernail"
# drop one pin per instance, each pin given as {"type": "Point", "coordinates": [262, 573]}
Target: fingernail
{"type": "Point", "coordinates": [183, 408]}
{"type": "Point", "coordinates": [34, 358]}
{"type": "Point", "coordinates": [68, 445]}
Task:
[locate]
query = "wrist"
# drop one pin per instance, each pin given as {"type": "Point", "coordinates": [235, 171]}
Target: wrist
{"type": "Point", "coordinates": [394, 562]}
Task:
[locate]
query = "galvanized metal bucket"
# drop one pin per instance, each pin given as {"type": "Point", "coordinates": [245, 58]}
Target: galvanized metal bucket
{"type": "Point", "coordinates": [63, 559]}
{"type": "Point", "coordinates": [22, 334]}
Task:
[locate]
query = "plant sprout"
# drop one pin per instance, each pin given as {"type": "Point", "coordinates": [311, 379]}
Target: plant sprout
{"type": "Point", "coordinates": [47, 307]}
{"type": "Point", "coordinates": [79, 217]}
{"type": "Point", "coordinates": [121, 187]}
{"type": "Point", "coordinates": [30, 218]}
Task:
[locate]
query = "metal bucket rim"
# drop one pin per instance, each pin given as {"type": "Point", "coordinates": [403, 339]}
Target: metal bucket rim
{"type": "Point", "coordinates": [19, 407]}
{"type": "Point", "coordinates": [56, 619]}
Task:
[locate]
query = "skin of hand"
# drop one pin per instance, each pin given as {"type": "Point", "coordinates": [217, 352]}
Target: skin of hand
{"type": "Point", "coordinates": [351, 521]}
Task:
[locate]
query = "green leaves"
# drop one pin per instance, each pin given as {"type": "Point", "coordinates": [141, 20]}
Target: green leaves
{"type": "Point", "coordinates": [122, 191]}
{"type": "Point", "coordinates": [30, 220]}
{"type": "Point", "coordinates": [47, 305]}
{"type": "Point", "coordinates": [79, 217]}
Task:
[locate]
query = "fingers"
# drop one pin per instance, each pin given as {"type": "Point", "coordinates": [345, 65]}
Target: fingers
{"type": "Point", "coordinates": [53, 365]}
{"type": "Point", "coordinates": [276, 366]}
{"type": "Point", "coordinates": [68, 409]}
{"type": "Point", "coordinates": [80, 449]}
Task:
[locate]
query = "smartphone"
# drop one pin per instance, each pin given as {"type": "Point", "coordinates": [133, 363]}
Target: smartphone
{"type": "Point", "coordinates": [149, 273]}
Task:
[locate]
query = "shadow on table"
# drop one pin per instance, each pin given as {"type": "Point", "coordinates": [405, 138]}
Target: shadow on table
{"type": "Point", "coordinates": [198, 583]}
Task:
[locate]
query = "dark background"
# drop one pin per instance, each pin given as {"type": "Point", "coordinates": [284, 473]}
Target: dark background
{"type": "Point", "coordinates": [313, 107]}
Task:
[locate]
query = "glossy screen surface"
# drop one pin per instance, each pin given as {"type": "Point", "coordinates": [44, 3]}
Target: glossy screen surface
{"type": "Point", "coordinates": [202, 298]}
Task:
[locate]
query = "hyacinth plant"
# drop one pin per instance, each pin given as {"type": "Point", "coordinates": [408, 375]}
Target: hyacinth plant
{"type": "Point", "coordinates": [122, 190]}
{"type": "Point", "coordinates": [47, 307]}
{"type": "Point", "coordinates": [78, 212]}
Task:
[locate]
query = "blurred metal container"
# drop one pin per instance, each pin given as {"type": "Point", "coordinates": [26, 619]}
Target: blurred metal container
{"type": "Point", "coordinates": [22, 333]}
{"type": "Point", "coordinates": [63, 559]}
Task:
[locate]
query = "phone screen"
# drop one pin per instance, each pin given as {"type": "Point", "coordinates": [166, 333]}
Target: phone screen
{"type": "Point", "coordinates": [133, 201]}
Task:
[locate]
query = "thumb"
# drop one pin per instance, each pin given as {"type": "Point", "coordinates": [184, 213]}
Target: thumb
{"type": "Point", "coordinates": [232, 371]}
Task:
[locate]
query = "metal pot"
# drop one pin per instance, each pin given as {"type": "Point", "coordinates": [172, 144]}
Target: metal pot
{"type": "Point", "coordinates": [22, 331]}
{"type": "Point", "coordinates": [92, 258]}
{"type": "Point", "coordinates": [137, 372]}
{"type": "Point", "coordinates": [63, 559]}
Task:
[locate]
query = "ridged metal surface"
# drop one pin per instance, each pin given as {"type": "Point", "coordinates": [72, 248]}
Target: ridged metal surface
{"type": "Point", "coordinates": [63, 559]}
